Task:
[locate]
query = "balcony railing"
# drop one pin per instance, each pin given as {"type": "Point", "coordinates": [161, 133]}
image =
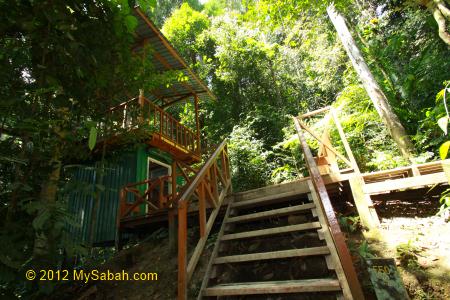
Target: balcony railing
{"type": "Point", "coordinates": [142, 113]}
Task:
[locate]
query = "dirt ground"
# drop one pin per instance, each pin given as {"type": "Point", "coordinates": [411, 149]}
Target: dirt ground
{"type": "Point", "coordinates": [150, 256]}
{"type": "Point", "coordinates": [420, 241]}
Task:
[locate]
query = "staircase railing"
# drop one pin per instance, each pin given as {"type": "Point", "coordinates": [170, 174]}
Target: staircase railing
{"type": "Point", "coordinates": [140, 111]}
{"type": "Point", "coordinates": [210, 186]}
{"type": "Point", "coordinates": [153, 203]}
{"type": "Point", "coordinates": [328, 211]}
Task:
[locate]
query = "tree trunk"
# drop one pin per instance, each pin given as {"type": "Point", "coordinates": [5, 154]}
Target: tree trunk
{"type": "Point", "coordinates": [377, 96]}
{"type": "Point", "coordinates": [441, 14]}
{"type": "Point", "coordinates": [44, 243]}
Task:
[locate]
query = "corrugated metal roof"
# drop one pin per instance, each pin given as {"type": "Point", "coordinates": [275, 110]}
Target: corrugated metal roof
{"type": "Point", "coordinates": [166, 57]}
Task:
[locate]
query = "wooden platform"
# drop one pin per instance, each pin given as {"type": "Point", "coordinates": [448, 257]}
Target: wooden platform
{"type": "Point", "coordinates": [399, 179]}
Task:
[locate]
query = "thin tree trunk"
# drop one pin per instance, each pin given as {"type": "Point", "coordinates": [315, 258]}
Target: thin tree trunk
{"type": "Point", "coordinates": [44, 244]}
{"type": "Point", "coordinates": [377, 96]}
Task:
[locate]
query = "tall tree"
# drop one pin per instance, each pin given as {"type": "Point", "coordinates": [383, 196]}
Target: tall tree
{"type": "Point", "coordinates": [375, 93]}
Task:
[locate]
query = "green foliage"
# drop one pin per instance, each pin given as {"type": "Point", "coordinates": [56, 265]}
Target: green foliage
{"type": "Point", "coordinates": [369, 139]}
{"type": "Point", "coordinates": [364, 251]}
{"type": "Point", "coordinates": [249, 165]}
{"type": "Point", "coordinates": [444, 209]}
{"type": "Point", "coordinates": [350, 223]}
{"type": "Point", "coordinates": [407, 254]}
{"type": "Point", "coordinates": [182, 28]}
{"type": "Point", "coordinates": [64, 64]}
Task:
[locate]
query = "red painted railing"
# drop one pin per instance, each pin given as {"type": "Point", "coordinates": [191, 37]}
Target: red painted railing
{"type": "Point", "coordinates": [208, 187]}
{"type": "Point", "coordinates": [140, 112]}
{"type": "Point", "coordinates": [153, 202]}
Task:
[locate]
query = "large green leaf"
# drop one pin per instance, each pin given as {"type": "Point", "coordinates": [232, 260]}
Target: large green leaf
{"type": "Point", "coordinates": [443, 124]}
{"type": "Point", "coordinates": [443, 150]}
{"type": "Point", "coordinates": [92, 138]}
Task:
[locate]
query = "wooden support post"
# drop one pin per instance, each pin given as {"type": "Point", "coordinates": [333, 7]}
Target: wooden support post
{"type": "Point", "coordinates": [197, 122]}
{"type": "Point", "coordinates": [172, 208]}
{"type": "Point", "coordinates": [213, 178]}
{"type": "Point", "coordinates": [364, 205]}
{"type": "Point", "coordinates": [174, 175]}
{"type": "Point", "coordinates": [224, 165]}
{"type": "Point", "coordinates": [344, 141]}
{"type": "Point", "coordinates": [172, 231]}
{"type": "Point", "coordinates": [202, 209]}
{"type": "Point", "coordinates": [182, 250]}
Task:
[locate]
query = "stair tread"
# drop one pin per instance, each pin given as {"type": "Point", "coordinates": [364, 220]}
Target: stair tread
{"type": "Point", "coordinates": [263, 200]}
{"type": "Point", "coordinates": [272, 255]}
{"type": "Point", "coordinates": [274, 287]}
{"type": "Point", "coordinates": [271, 213]}
{"type": "Point", "coordinates": [271, 231]}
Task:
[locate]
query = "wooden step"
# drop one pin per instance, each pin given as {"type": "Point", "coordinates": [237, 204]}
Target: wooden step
{"type": "Point", "coordinates": [274, 287]}
{"type": "Point", "coordinates": [271, 231]}
{"type": "Point", "coordinates": [272, 255]}
{"type": "Point", "coordinates": [269, 199]}
{"type": "Point", "coordinates": [271, 213]}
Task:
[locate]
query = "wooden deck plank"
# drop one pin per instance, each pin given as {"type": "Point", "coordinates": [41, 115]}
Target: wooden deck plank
{"type": "Point", "coordinates": [267, 199]}
{"type": "Point", "coordinates": [272, 255]}
{"type": "Point", "coordinates": [274, 287]}
{"type": "Point", "coordinates": [271, 213]}
{"type": "Point", "coordinates": [271, 231]}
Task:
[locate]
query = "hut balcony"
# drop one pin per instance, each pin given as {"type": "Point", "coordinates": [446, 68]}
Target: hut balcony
{"type": "Point", "coordinates": [140, 119]}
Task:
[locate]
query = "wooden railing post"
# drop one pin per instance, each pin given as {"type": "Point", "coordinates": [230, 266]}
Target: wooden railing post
{"type": "Point", "coordinates": [202, 209]}
{"type": "Point", "coordinates": [141, 106]}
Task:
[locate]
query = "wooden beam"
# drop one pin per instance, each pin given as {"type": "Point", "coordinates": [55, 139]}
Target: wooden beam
{"type": "Point", "coordinates": [322, 250]}
{"type": "Point", "coordinates": [271, 231]}
{"type": "Point", "coordinates": [273, 287]}
{"type": "Point", "coordinates": [405, 183]}
{"type": "Point", "coordinates": [272, 213]}
{"type": "Point", "coordinates": [315, 112]}
{"type": "Point", "coordinates": [311, 132]}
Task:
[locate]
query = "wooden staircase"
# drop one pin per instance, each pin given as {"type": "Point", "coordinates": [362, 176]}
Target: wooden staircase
{"type": "Point", "coordinates": [275, 246]}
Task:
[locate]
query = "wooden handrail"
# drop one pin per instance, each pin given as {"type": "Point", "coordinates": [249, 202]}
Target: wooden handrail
{"type": "Point", "coordinates": [122, 104]}
{"type": "Point", "coordinates": [206, 185]}
{"type": "Point", "coordinates": [327, 208]}
{"type": "Point", "coordinates": [127, 208]}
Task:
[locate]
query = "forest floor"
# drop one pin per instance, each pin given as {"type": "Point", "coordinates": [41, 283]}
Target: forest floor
{"type": "Point", "coordinates": [416, 238]}
{"type": "Point", "coordinates": [420, 243]}
{"type": "Point", "coordinates": [153, 256]}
